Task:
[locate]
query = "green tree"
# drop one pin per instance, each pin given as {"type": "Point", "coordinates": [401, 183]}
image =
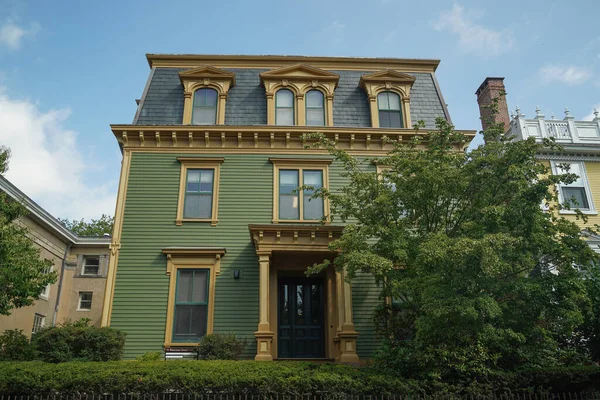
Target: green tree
{"type": "Point", "coordinates": [482, 279]}
{"type": "Point", "coordinates": [23, 274]}
{"type": "Point", "coordinates": [96, 227]}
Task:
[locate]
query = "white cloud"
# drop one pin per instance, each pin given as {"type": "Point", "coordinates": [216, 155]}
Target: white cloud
{"type": "Point", "coordinates": [591, 115]}
{"type": "Point", "coordinates": [570, 75]}
{"type": "Point", "coordinates": [472, 37]}
{"type": "Point", "coordinates": [46, 163]}
{"type": "Point", "coordinates": [12, 34]}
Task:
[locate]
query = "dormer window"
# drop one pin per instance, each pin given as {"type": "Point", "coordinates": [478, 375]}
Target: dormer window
{"type": "Point", "coordinates": [205, 107]}
{"type": "Point", "coordinates": [390, 112]}
{"type": "Point", "coordinates": [299, 95]}
{"type": "Point", "coordinates": [315, 108]}
{"type": "Point", "coordinates": [284, 107]}
{"type": "Point", "coordinates": [389, 98]}
{"type": "Point", "coordinates": [205, 94]}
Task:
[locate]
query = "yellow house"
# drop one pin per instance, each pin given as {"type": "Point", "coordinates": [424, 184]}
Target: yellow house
{"type": "Point", "coordinates": [580, 141]}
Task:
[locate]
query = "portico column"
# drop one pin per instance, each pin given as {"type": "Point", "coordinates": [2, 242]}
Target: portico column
{"type": "Point", "coordinates": [264, 335]}
{"type": "Point", "coordinates": [347, 335]}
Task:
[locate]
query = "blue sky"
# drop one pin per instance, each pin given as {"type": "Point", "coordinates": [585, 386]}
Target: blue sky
{"type": "Point", "coordinates": [68, 69]}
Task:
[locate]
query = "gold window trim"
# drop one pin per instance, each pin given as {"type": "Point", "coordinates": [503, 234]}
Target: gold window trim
{"type": "Point", "coordinates": [191, 258]}
{"type": "Point", "coordinates": [300, 79]}
{"type": "Point", "coordinates": [201, 78]}
{"type": "Point", "coordinates": [199, 163]}
{"type": "Point", "coordinates": [388, 81]}
{"type": "Point", "coordinates": [300, 164]}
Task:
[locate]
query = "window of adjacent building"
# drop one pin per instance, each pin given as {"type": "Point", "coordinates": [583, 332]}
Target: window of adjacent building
{"type": "Point", "coordinates": [38, 322]}
{"type": "Point", "coordinates": [315, 108]}
{"type": "Point", "coordinates": [294, 203]}
{"type": "Point", "coordinates": [284, 107]}
{"type": "Point", "coordinates": [91, 265]}
{"type": "Point", "coordinates": [198, 193]}
{"type": "Point", "coordinates": [191, 305]}
{"type": "Point", "coordinates": [46, 292]}
{"type": "Point", "coordinates": [205, 107]}
{"type": "Point", "coordinates": [390, 113]}
{"type": "Point", "coordinates": [85, 301]}
{"type": "Point", "coordinates": [577, 193]}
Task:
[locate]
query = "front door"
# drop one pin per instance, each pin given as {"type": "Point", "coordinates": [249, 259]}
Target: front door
{"type": "Point", "coordinates": [301, 318]}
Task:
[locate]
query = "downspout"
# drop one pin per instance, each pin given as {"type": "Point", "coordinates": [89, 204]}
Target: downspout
{"type": "Point", "coordinates": [60, 282]}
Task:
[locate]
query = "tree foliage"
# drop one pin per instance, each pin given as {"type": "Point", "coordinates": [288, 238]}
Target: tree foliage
{"type": "Point", "coordinates": [482, 278]}
{"type": "Point", "coordinates": [23, 274]}
{"type": "Point", "coordinates": [96, 227]}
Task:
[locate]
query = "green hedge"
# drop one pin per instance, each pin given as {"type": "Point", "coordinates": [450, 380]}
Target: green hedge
{"type": "Point", "coordinates": [200, 377]}
{"type": "Point", "coordinates": [266, 378]}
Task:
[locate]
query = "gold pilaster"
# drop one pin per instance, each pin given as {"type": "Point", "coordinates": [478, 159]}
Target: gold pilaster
{"type": "Point", "coordinates": [264, 335]}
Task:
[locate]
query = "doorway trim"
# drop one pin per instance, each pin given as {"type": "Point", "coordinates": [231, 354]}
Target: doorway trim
{"type": "Point", "coordinates": [304, 239]}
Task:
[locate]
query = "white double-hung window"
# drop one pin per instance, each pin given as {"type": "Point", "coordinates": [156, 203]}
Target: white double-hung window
{"type": "Point", "coordinates": [576, 194]}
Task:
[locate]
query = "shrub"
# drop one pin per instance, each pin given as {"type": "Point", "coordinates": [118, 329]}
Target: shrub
{"type": "Point", "coordinates": [221, 346]}
{"type": "Point", "coordinates": [78, 342]}
{"type": "Point", "coordinates": [150, 356]}
{"type": "Point", "coordinates": [15, 346]}
{"type": "Point", "coordinates": [195, 377]}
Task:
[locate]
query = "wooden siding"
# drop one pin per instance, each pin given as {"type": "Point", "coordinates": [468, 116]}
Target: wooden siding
{"type": "Point", "coordinates": [245, 197]}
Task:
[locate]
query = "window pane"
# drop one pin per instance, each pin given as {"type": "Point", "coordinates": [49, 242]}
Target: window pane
{"type": "Point", "coordinates": [204, 116]}
{"type": "Point", "coordinates": [199, 293]}
{"type": "Point", "coordinates": [285, 116]}
{"type": "Point", "coordinates": [288, 180]}
{"type": "Point", "coordinates": [382, 101]}
{"type": "Point", "coordinates": [184, 286]}
{"type": "Point", "coordinates": [313, 208]}
{"type": "Point", "coordinates": [197, 206]}
{"type": "Point", "coordinates": [198, 328]}
{"type": "Point", "coordinates": [384, 119]}
{"type": "Point", "coordinates": [288, 206]}
{"type": "Point", "coordinates": [284, 98]}
{"type": "Point", "coordinates": [183, 315]}
{"type": "Point", "coordinates": [315, 117]}
{"type": "Point", "coordinates": [205, 98]}
{"type": "Point", "coordinates": [206, 180]}
{"type": "Point", "coordinates": [91, 261]}
{"type": "Point", "coordinates": [574, 169]}
{"type": "Point", "coordinates": [193, 180]}
{"type": "Point", "coordinates": [576, 197]}
{"type": "Point", "coordinates": [314, 98]}
{"type": "Point", "coordinates": [394, 101]}
{"type": "Point", "coordinates": [313, 178]}
{"type": "Point", "coordinates": [395, 120]}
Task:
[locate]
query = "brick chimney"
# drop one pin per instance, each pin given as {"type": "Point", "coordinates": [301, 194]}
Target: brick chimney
{"type": "Point", "coordinates": [488, 90]}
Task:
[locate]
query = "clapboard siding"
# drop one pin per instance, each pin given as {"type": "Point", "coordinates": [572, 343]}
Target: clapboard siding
{"type": "Point", "coordinates": [245, 197]}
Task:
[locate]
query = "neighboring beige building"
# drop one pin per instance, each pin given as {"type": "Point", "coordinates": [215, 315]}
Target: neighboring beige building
{"type": "Point", "coordinates": [81, 263]}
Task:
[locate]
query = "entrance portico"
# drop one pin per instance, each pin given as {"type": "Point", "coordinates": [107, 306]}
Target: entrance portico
{"type": "Point", "coordinates": [306, 317]}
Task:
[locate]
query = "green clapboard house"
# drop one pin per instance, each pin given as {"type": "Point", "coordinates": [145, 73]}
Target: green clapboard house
{"type": "Point", "coordinates": [210, 234]}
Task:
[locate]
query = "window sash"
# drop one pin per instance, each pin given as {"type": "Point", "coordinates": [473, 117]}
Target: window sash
{"type": "Point", "coordinates": [85, 300]}
{"type": "Point", "coordinates": [578, 193]}
{"type": "Point", "coordinates": [284, 114]}
{"type": "Point", "coordinates": [303, 207]}
{"type": "Point", "coordinates": [91, 266]}
{"type": "Point", "coordinates": [315, 114]}
{"type": "Point", "coordinates": [38, 322]}
{"type": "Point", "coordinates": [201, 194]}
{"type": "Point", "coordinates": [578, 189]}
{"type": "Point", "coordinates": [187, 308]}
{"type": "Point", "coordinates": [204, 110]}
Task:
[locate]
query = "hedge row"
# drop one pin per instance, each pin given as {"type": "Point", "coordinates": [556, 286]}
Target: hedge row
{"type": "Point", "coordinates": [260, 378]}
{"type": "Point", "coordinates": [198, 377]}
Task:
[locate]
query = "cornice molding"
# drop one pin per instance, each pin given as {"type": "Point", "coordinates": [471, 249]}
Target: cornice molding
{"type": "Point", "coordinates": [266, 61]}
{"type": "Point", "coordinates": [568, 157]}
{"type": "Point", "coordinates": [260, 139]}
{"type": "Point", "coordinates": [280, 237]}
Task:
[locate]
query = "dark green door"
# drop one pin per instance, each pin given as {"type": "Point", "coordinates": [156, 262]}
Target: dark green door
{"type": "Point", "coordinates": [301, 317]}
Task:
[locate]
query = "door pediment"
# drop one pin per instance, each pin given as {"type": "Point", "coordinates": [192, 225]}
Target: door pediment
{"type": "Point", "coordinates": [278, 237]}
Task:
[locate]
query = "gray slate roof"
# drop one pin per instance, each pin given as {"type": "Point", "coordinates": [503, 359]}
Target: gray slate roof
{"type": "Point", "coordinates": [247, 104]}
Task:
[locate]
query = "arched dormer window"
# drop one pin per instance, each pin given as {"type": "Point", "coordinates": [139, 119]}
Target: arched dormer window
{"type": "Point", "coordinates": [205, 107]}
{"type": "Point", "coordinates": [315, 108]}
{"type": "Point", "coordinates": [284, 107]}
{"type": "Point", "coordinates": [390, 111]}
